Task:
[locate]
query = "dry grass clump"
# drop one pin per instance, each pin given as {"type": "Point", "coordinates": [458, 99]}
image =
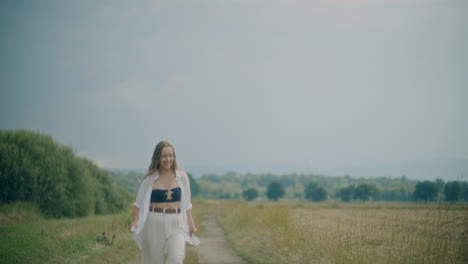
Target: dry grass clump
{"type": "Point", "coordinates": [19, 212]}
{"type": "Point", "coordinates": [348, 233]}
{"type": "Point", "coordinates": [191, 256]}
{"type": "Point", "coordinates": [260, 233]}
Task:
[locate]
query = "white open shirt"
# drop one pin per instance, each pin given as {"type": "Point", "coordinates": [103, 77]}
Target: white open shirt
{"type": "Point", "coordinates": [143, 203]}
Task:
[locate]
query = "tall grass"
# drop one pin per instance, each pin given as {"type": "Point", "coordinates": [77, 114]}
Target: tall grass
{"type": "Point", "coordinates": [347, 233]}
{"type": "Point", "coordinates": [19, 212]}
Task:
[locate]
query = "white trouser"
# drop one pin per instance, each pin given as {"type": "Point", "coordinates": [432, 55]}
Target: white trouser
{"type": "Point", "coordinates": [162, 234]}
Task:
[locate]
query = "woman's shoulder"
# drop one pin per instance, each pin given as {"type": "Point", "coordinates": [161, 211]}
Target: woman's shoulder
{"type": "Point", "coordinates": [181, 172]}
{"type": "Point", "coordinates": [149, 178]}
{"type": "Point", "coordinates": [145, 183]}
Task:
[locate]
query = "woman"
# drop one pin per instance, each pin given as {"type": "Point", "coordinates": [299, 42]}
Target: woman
{"type": "Point", "coordinates": [162, 218]}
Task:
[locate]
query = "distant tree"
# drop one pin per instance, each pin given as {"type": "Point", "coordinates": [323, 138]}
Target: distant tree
{"type": "Point", "coordinates": [346, 193]}
{"type": "Point", "coordinates": [453, 191]}
{"type": "Point", "coordinates": [315, 193]}
{"type": "Point", "coordinates": [250, 194]}
{"type": "Point", "coordinates": [465, 191]}
{"type": "Point", "coordinates": [426, 191]}
{"type": "Point", "coordinates": [390, 194]}
{"type": "Point", "coordinates": [194, 187]}
{"type": "Point", "coordinates": [310, 190]}
{"type": "Point", "coordinates": [364, 191]}
{"type": "Point", "coordinates": [275, 191]}
{"type": "Point", "coordinates": [225, 196]}
{"type": "Point", "coordinates": [440, 188]}
{"type": "Point", "coordinates": [403, 178]}
{"type": "Point", "coordinates": [404, 193]}
{"type": "Point", "coordinates": [320, 194]}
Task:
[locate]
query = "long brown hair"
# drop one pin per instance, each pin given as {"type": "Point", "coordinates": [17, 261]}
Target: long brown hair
{"type": "Point", "coordinates": [154, 166]}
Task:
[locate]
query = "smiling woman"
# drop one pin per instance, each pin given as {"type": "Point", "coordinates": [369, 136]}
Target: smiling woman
{"type": "Point", "coordinates": [162, 218]}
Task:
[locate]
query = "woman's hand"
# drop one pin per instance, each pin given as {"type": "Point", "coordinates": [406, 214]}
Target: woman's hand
{"type": "Point", "coordinates": [191, 224]}
{"type": "Point", "coordinates": [192, 229]}
{"type": "Point", "coordinates": [133, 227]}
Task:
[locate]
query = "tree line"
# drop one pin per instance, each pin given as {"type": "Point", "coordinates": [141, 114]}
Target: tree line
{"type": "Point", "coordinates": [315, 187]}
{"type": "Point", "coordinates": [426, 191]}
{"type": "Point", "coordinates": [33, 167]}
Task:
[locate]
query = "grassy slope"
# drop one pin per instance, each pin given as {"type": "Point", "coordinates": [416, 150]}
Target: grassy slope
{"type": "Point", "coordinates": [26, 237]}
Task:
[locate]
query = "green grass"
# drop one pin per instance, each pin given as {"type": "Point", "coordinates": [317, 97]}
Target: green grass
{"type": "Point", "coordinates": [18, 242]}
{"type": "Point", "coordinates": [27, 237]}
{"type": "Point", "coordinates": [32, 239]}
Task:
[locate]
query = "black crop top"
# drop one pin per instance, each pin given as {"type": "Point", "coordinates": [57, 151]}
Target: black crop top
{"type": "Point", "coordinates": [166, 196]}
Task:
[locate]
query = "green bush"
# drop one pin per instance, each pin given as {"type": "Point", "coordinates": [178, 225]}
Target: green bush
{"type": "Point", "coordinates": [35, 168]}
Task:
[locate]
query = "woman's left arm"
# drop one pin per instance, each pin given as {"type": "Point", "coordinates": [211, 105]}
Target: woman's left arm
{"type": "Point", "coordinates": [191, 224]}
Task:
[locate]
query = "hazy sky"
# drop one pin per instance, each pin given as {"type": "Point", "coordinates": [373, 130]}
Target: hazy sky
{"type": "Point", "coordinates": [259, 85]}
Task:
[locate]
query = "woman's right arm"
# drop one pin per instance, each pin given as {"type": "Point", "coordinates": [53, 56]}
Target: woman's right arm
{"type": "Point", "coordinates": [138, 203]}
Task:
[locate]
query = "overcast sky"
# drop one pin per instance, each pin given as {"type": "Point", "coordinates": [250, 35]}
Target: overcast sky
{"type": "Point", "coordinates": [259, 85]}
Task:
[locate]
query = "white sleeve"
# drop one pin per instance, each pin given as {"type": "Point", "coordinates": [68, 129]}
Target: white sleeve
{"type": "Point", "coordinates": [188, 193]}
{"type": "Point", "coordinates": [141, 192]}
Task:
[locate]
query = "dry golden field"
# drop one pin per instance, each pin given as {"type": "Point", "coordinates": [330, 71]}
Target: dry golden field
{"type": "Point", "coordinates": [347, 233]}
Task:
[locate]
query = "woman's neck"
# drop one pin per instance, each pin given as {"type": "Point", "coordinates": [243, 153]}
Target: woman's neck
{"type": "Point", "coordinates": [163, 172]}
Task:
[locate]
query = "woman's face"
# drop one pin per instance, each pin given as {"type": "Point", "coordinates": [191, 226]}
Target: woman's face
{"type": "Point", "coordinates": [167, 157]}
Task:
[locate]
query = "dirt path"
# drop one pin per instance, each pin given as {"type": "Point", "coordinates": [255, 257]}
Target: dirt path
{"type": "Point", "coordinates": [213, 248]}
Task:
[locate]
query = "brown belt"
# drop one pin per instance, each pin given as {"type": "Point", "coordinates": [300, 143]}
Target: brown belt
{"type": "Point", "coordinates": [164, 210]}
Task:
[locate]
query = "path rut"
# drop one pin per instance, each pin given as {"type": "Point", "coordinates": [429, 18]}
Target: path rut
{"type": "Point", "coordinates": [213, 248]}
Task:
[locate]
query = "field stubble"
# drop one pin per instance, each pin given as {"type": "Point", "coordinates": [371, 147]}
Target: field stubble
{"type": "Point", "coordinates": [347, 233]}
